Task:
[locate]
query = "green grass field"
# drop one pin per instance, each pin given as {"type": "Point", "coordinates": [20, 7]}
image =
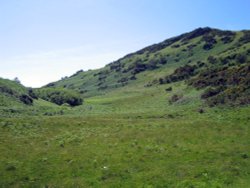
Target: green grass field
{"type": "Point", "coordinates": [129, 132]}
{"type": "Point", "coordinates": [133, 140]}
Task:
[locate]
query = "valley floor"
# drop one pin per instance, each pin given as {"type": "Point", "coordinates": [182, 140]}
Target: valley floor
{"type": "Point", "coordinates": [169, 150]}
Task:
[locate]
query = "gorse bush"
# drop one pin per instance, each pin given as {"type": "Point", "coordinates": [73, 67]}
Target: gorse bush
{"type": "Point", "coordinates": [210, 92]}
{"type": "Point", "coordinates": [179, 74]}
{"type": "Point", "coordinates": [26, 99]}
{"type": "Point", "coordinates": [231, 85]}
{"type": "Point", "coordinates": [60, 96]}
{"type": "Point", "coordinates": [226, 79]}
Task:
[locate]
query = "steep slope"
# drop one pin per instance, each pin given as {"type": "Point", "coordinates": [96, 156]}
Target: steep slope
{"type": "Point", "coordinates": [187, 57]}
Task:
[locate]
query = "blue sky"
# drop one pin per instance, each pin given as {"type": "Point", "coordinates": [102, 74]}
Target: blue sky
{"type": "Point", "coordinates": [44, 40]}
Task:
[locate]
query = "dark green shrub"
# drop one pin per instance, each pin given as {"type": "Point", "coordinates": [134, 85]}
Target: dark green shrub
{"type": "Point", "coordinates": [116, 66]}
{"type": "Point", "coordinates": [139, 67]}
{"type": "Point", "coordinates": [133, 77]}
{"type": "Point", "coordinates": [50, 85]}
{"type": "Point", "coordinates": [169, 89]}
{"type": "Point", "coordinates": [212, 60]}
{"type": "Point", "coordinates": [219, 99]}
{"type": "Point", "coordinates": [161, 81]}
{"type": "Point", "coordinates": [241, 58]}
{"type": "Point", "coordinates": [152, 65]}
{"type": "Point", "coordinates": [163, 61]}
{"type": "Point", "coordinates": [245, 38]}
{"type": "Point", "coordinates": [224, 60]}
{"type": "Point", "coordinates": [175, 46]}
{"type": "Point", "coordinates": [102, 77]}
{"type": "Point", "coordinates": [231, 85]}
{"type": "Point", "coordinates": [8, 90]}
{"type": "Point", "coordinates": [122, 80]}
{"type": "Point", "coordinates": [78, 72]}
{"type": "Point", "coordinates": [181, 73]}
{"type": "Point", "coordinates": [227, 39]}
{"type": "Point", "coordinates": [60, 96]}
{"type": "Point", "coordinates": [26, 99]}
{"type": "Point", "coordinates": [201, 110]}
{"type": "Point", "coordinates": [211, 92]}
{"type": "Point", "coordinates": [208, 46]}
{"type": "Point", "coordinates": [200, 64]}
{"type": "Point", "coordinates": [197, 32]}
{"type": "Point", "coordinates": [32, 94]}
{"type": "Point", "coordinates": [209, 42]}
{"type": "Point", "coordinates": [209, 38]}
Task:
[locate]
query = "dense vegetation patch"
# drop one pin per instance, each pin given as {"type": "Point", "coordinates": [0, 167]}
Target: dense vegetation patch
{"type": "Point", "coordinates": [226, 85]}
{"type": "Point", "coordinates": [226, 79]}
{"type": "Point", "coordinates": [245, 38]}
{"type": "Point", "coordinates": [179, 74]}
{"type": "Point", "coordinates": [60, 96]}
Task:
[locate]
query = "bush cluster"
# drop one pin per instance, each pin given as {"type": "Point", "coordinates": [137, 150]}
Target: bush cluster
{"type": "Point", "coordinates": [179, 74]}
{"type": "Point", "coordinates": [245, 38]}
{"type": "Point", "coordinates": [60, 96]}
{"type": "Point", "coordinates": [229, 85]}
{"type": "Point", "coordinates": [210, 41]}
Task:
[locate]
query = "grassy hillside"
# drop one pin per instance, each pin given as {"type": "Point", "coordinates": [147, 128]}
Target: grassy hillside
{"type": "Point", "coordinates": [191, 55]}
{"type": "Point", "coordinates": [146, 121]}
{"type": "Point", "coordinates": [17, 100]}
{"type": "Point", "coordinates": [13, 92]}
{"type": "Point", "coordinates": [14, 97]}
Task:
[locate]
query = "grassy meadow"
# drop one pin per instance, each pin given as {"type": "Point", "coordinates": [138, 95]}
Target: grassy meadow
{"type": "Point", "coordinates": [133, 140]}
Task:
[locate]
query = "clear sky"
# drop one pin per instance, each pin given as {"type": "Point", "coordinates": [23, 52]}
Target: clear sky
{"type": "Point", "coordinates": [44, 40]}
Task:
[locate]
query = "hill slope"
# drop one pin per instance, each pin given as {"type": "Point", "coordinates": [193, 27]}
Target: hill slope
{"type": "Point", "coordinates": [13, 92]}
{"type": "Point", "coordinates": [17, 100]}
{"type": "Point", "coordinates": [219, 57]}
